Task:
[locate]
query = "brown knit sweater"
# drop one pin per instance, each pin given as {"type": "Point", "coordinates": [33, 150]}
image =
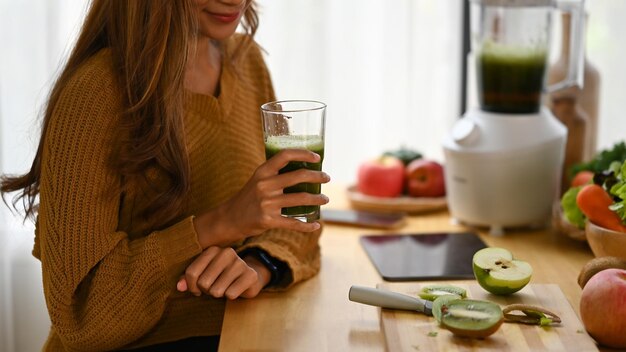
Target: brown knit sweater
{"type": "Point", "coordinates": [110, 280]}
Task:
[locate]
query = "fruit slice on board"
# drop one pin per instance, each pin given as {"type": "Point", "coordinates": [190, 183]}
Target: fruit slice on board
{"type": "Point", "coordinates": [439, 302]}
{"type": "Point", "coordinates": [431, 292]}
{"type": "Point", "coordinates": [497, 272]}
{"type": "Point", "coordinates": [471, 318]}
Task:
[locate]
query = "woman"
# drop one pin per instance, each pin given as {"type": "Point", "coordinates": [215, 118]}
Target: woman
{"type": "Point", "coordinates": [155, 201]}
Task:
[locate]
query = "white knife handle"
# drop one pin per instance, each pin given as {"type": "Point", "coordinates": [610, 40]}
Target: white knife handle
{"type": "Point", "coordinates": [384, 298]}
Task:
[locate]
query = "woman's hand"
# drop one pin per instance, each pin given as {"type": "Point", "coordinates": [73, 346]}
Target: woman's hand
{"type": "Point", "coordinates": [220, 272]}
{"type": "Point", "coordinates": [257, 206]}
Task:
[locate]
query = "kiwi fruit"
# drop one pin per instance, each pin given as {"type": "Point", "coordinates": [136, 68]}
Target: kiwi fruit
{"type": "Point", "coordinates": [532, 314]}
{"type": "Point", "coordinates": [440, 302]}
{"type": "Point", "coordinates": [431, 292]}
{"type": "Point", "coordinates": [596, 265]}
{"type": "Point", "coordinates": [471, 318]}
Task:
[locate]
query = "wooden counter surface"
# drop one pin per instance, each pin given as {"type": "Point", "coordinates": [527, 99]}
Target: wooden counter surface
{"type": "Point", "coordinates": [316, 315]}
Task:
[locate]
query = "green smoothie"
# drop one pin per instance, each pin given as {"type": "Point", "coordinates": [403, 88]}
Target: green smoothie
{"type": "Point", "coordinates": [274, 144]}
{"type": "Point", "coordinates": [510, 80]}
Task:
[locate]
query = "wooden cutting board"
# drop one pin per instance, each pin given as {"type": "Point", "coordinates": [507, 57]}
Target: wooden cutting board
{"type": "Point", "coordinates": [408, 331]}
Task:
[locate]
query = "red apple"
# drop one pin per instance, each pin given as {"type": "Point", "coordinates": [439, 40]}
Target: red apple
{"type": "Point", "coordinates": [382, 177]}
{"type": "Point", "coordinates": [425, 178]}
{"type": "Point", "coordinates": [603, 307]}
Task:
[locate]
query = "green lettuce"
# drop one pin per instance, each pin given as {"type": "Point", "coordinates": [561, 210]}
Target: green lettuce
{"type": "Point", "coordinates": [602, 161]}
{"type": "Point", "coordinates": [570, 209]}
{"type": "Point", "coordinates": [618, 191]}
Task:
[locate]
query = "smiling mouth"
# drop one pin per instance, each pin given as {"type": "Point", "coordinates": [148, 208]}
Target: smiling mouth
{"type": "Point", "coordinates": [224, 17]}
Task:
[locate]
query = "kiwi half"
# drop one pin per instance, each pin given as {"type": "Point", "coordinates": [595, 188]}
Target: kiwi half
{"type": "Point", "coordinates": [439, 302]}
{"type": "Point", "coordinates": [431, 292]}
{"type": "Point", "coordinates": [471, 318]}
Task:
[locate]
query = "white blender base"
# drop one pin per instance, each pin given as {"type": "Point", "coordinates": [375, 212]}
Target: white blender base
{"type": "Point", "coordinates": [496, 230]}
{"type": "Point", "coordinates": [499, 230]}
{"type": "Point", "coordinates": [503, 170]}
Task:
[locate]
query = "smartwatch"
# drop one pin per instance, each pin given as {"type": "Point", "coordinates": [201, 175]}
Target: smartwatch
{"type": "Point", "coordinates": [276, 267]}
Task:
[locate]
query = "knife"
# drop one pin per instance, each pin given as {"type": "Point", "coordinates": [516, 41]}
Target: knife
{"type": "Point", "coordinates": [389, 299]}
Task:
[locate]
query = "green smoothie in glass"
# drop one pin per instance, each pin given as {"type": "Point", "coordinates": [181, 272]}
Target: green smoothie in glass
{"type": "Point", "coordinates": [274, 144]}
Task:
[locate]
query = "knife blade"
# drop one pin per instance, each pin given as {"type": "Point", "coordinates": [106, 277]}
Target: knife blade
{"type": "Point", "coordinates": [389, 299]}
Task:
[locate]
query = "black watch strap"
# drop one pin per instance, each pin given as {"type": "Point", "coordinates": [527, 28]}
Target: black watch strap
{"type": "Point", "coordinates": [276, 267]}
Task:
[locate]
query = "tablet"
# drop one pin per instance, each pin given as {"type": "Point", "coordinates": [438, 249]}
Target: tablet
{"type": "Point", "coordinates": [428, 256]}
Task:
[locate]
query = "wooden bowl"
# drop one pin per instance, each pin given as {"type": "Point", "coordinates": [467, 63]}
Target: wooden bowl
{"type": "Point", "coordinates": [605, 242]}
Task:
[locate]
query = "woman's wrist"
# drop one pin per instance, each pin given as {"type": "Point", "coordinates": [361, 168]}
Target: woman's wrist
{"type": "Point", "coordinates": [265, 276]}
{"type": "Point", "coordinates": [213, 229]}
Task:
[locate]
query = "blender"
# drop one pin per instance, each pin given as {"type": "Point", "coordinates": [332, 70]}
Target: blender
{"type": "Point", "coordinates": [504, 159]}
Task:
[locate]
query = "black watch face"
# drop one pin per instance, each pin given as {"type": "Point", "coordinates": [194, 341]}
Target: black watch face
{"type": "Point", "coordinates": [273, 265]}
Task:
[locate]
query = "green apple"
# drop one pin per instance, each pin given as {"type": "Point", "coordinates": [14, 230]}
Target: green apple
{"type": "Point", "coordinates": [497, 272]}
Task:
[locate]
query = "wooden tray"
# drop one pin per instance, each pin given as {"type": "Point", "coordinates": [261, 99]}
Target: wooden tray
{"type": "Point", "coordinates": [407, 331]}
{"type": "Point", "coordinates": [405, 204]}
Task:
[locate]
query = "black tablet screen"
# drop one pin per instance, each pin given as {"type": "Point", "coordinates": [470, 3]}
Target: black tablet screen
{"type": "Point", "coordinates": [432, 256]}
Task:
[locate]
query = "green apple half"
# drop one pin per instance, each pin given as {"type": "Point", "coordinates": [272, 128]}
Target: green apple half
{"type": "Point", "coordinates": [497, 272]}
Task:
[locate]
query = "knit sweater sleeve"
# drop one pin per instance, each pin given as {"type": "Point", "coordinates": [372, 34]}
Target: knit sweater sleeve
{"type": "Point", "coordinates": [102, 290]}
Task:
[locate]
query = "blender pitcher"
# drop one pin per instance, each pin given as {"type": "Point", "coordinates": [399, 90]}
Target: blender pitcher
{"type": "Point", "coordinates": [511, 41]}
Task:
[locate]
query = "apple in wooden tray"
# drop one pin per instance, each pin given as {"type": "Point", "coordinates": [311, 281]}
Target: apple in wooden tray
{"type": "Point", "coordinates": [382, 177]}
{"type": "Point", "coordinates": [425, 178]}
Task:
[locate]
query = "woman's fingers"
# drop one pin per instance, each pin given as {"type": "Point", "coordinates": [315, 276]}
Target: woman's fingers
{"type": "Point", "coordinates": [234, 280]}
{"type": "Point", "coordinates": [280, 160]}
{"type": "Point", "coordinates": [220, 263]}
{"type": "Point", "coordinates": [302, 198]}
{"type": "Point", "coordinates": [181, 285]}
{"type": "Point", "coordinates": [197, 268]}
{"type": "Point", "coordinates": [297, 225]}
{"type": "Point", "coordinates": [293, 178]}
{"type": "Point", "coordinates": [243, 284]}
{"type": "Point", "coordinates": [291, 200]}
{"type": "Point", "coordinates": [221, 273]}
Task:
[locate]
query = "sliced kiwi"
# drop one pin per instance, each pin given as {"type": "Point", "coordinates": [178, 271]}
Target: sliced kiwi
{"type": "Point", "coordinates": [431, 292]}
{"type": "Point", "coordinates": [440, 302]}
{"type": "Point", "coordinates": [471, 318]}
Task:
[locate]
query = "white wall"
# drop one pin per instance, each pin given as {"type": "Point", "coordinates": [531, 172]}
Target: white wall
{"type": "Point", "coordinates": [388, 71]}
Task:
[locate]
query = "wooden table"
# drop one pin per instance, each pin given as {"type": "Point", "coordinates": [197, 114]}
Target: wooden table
{"type": "Point", "coordinates": [316, 315]}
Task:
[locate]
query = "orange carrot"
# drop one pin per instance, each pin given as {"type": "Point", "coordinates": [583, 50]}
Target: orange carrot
{"type": "Point", "coordinates": [594, 202]}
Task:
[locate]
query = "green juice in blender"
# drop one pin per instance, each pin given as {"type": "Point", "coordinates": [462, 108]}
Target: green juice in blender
{"type": "Point", "coordinates": [274, 144]}
{"type": "Point", "coordinates": [510, 79]}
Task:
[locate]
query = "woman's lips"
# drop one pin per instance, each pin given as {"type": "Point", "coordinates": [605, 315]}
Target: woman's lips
{"type": "Point", "coordinates": [224, 17]}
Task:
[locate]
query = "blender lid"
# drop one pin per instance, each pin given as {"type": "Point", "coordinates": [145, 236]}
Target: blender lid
{"type": "Point", "coordinates": [515, 3]}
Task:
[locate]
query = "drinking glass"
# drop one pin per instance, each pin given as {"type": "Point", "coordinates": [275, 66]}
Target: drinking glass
{"type": "Point", "coordinates": [296, 124]}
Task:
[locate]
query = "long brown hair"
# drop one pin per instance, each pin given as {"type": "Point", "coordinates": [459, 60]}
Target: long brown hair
{"type": "Point", "coordinates": [150, 42]}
